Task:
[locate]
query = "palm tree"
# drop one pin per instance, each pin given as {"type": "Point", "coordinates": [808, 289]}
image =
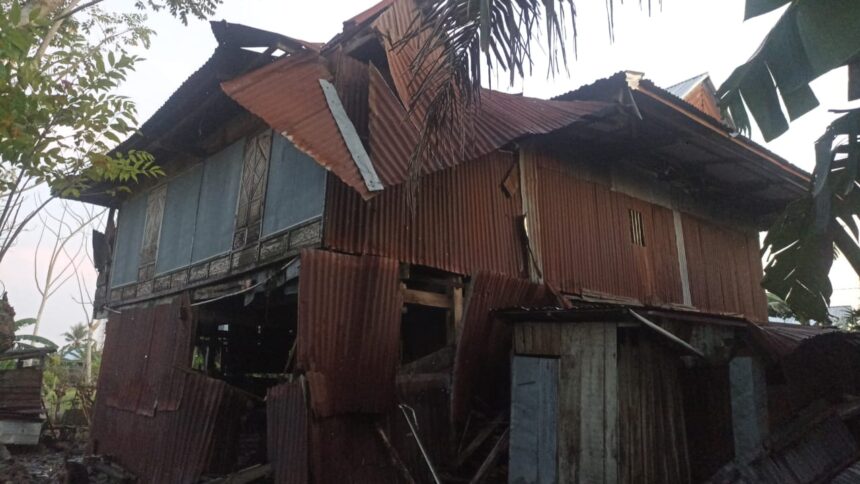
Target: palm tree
{"type": "Point", "coordinates": [77, 340]}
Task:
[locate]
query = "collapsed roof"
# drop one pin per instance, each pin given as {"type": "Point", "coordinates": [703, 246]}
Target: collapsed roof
{"type": "Point", "coordinates": [347, 104]}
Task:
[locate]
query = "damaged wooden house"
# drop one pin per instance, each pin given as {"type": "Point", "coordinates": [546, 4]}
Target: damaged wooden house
{"type": "Point", "coordinates": [567, 296]}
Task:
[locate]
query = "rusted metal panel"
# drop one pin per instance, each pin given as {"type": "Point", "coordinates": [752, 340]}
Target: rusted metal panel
{"type": "Point", "coordinates": [351, 79]}
{"type": "Point", "coordinates": [463, 221]}
{"type": "Point", "coordinates": [179, 445]}
{"type": "Point", "coordinates": [584, 235]}
{"type": "Point", "coordinates": [781, 339]}
{"type": "Point", "coordinates": [287, 432]}
{"type": "Point", "coordinates": [725, 269]}
{"type": "Point", "coordinates": [349, 331]}
{"type": "Point", "coordinates": [21, 393]}
{"type": "Point", "coordinates": [393, 137]}
{"type": "Point", "coordinates": [495, 121]}
{"type": "Point", "coordinates": [482, 363]}
{"type": "Point", "coordinates": [287, 95]}
{"type": "Point", "coordinates": [143, 345]}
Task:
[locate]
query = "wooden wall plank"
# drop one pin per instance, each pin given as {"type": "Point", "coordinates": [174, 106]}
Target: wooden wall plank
{"type": "Point", "coordinates": [534, 421]}
{"type": "Point", "coordinates": [610, 374]}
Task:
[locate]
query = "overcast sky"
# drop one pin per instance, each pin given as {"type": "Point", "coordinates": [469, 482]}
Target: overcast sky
{"type": "Point", "coordinates": [681, 40]}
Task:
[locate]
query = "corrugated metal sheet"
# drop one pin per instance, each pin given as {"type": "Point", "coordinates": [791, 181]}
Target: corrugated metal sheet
{"type": "Point", "coordinates": [683, 88]}
{"type": "Point", "coordinates": [351, 79]}
{"type": "Point", "coordinates": [287, 95]}
{"type": "Point", "coordinates": [812, 459]}
{"type": "Point", "coordinates": [143, 346]}
{"type": "Point", "coordinates": [287, 432]}
{"type": "Point", "coordinates": [393, 137]}
{"type": "Point", "coordinates": [584, 239]}
{"type": "Point", "coordinates": [497, 120]}
{"type": "Point", "coordinates": [463, 221]}
{"type": "Point", "coordinates": [178, 446]}
{"type": "Point", "coordinates": [780, 339]}
{"type": "Point", "coordinates": [160, 420]}
{"type": "Point", "coordinates": [482, 362]}
{"type": "Point", "coordinates": [725, 270]}
{"type": "Point", "coordinates": [369, 13]}
{"type": "Point", "coordinates": [21, 393]}
{"type": "Point", "coordinates": [349, 331]}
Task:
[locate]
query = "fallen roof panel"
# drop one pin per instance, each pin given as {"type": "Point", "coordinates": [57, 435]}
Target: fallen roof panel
{"type": "Point", "coordinates": [287, 95]}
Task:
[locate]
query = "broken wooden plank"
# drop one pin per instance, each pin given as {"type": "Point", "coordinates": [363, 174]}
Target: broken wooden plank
{"type": "Point", "coordinates": [425, 298]}
{"type": "Point", "coordinates": [244, 476]}
{"type": "Point", "coordinates": [671, 337]}
{"type": "Point", "coordinates": [394, 456]}
{"type": "Point", "coordinates": [491, 459]}
{"type": "Point", "coordinates": [351, 138]}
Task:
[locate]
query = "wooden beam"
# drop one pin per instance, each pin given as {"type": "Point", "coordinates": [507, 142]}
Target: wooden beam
{"type": "Point", "coordinates": [671, 337]}
{"type": "Point", "coordinates": [491, 459]}
{"type": "Point", "coordinates": [424, 298]}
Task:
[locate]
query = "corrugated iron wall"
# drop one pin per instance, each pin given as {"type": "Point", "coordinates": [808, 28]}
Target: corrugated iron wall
{"type": "Point", "coordinates": [725, 269]}
{"type": "Point", "coordinates": [349, 331]}
{"type": "Point", "coordinates": [287, 432]}
{"type": "Point", "coordinates": [159, 419]}
{"type": "Point", "coordinates": [143, 346]}
{"type": "Point", "coordinates": [463, 220]}
{"type": "Point", "coordinates": [482, 361]}
{"type": "Point", "coordinates": [175, 446]}
{"type": "Point", "coordinates": [585, 235]}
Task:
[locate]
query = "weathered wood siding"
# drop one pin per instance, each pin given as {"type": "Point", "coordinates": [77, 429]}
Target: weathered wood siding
{"type": "Point", "coordinates": [621, 412]}
{"type": "Point", "coordinates": [534, 421]}
{"type": "Point", "coordinates": [653, 437]}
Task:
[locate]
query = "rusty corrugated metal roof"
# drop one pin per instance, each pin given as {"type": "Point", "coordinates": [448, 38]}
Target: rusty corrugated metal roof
{"type": "Point", "coordinates": [496, 120]}
{"type": "Point", "coordinates": [463, 221]}
{"type": "Point", "coordinates": [482, 362]}
{"type": "Point", "coordinates": [287, 95]}
{"type": "Point", "coordinates": [781, 339]}
{"type": "Point", "coordinates": [287, 432]}
{"type": "Point", "coordinates": [349, 331]}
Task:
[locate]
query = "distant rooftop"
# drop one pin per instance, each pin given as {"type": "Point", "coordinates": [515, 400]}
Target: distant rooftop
{"type": "Point", "coordinates": [684, 87]}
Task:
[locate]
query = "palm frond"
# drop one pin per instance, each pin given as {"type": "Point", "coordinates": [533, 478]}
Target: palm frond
{"type": "Point", "coordinates": [457, 42]}
{"type": "Point", "coordinates": [811, 37]}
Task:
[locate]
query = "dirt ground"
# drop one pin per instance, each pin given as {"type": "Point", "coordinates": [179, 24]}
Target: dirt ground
{"type": "Point", "coordinates": [37, 465]}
